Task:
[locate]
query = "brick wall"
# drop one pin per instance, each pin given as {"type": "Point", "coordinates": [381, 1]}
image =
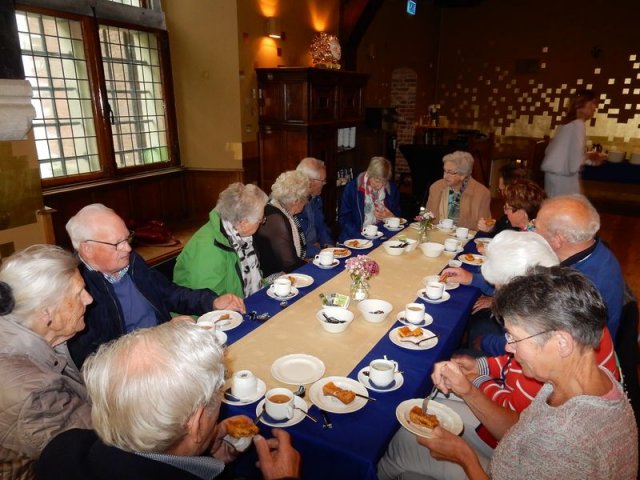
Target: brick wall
{"type": "Point", "coordinates": [403, 96]}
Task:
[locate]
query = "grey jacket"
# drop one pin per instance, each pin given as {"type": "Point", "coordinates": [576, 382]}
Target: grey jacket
{"type": "Point", "coordinates": [42, 394]}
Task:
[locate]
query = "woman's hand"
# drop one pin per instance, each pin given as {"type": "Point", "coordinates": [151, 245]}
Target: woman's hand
{"type": "Point", "coordinates": [482, 303]}
{"type": "Point", "coordinates": [382, 213]}
{"type": "Point", "coordinates": [483, 226]}
{"type": "Point", "coordinates": [458, 275]}
{"type": "Point", "coordinates": [449, 377]}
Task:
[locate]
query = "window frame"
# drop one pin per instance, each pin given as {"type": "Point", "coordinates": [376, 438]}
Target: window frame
{"type": "Point", "coordinates": [90, 27]}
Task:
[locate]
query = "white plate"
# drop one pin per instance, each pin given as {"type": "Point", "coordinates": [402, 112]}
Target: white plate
{"type": "Point", "coordinates": [261, 388]}
{"type": "Point", "coordinates": [422, 293]}
{"type": "Point", "coordinates": [428, 320]}
{"type": "Point", "coordinates": [477, 259]}
{"type": "Point", "coordinates": [371, 237]}
{"type": "Point", "coordinates": [447, 285]}
{"type": "Point", "coordinates": [445, 229]}
{"type": "Point", "coordinates": [409, 344]}
{"type": "Point", "coordinates": [298, 416]}
{"type": "Point", "coordinates": [294, 292]}
{"type": "Point", "coordinates": [457, 251]}
{"type": "Point", "coordinates": [449, 419]}
{"type": "Point", "coordinates": [317, 263]}
{"type": "Point", "coordinates": [337, 252]}
{"type": "Point", "coordinates": [398, 380]}
{"type": "Point", "coordinates": [394, 229]}
{"type": "Point", "coordinates": [297, 369]}
{"type": "Point", "coordinates": [222, 325]}
{"type": "Point", "coordinates": [332, 404]}
{"type": "Point", "coordinates": [358, 244]}
{"type": "Point", "coordinates": [299, 280]}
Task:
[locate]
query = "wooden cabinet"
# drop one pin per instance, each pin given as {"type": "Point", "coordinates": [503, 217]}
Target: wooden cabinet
{"type": "Point", "coordinates": [300, 113]}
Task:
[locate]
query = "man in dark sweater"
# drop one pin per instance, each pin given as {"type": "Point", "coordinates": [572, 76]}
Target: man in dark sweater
{"type": "Point", "coordinates": [127, 294]}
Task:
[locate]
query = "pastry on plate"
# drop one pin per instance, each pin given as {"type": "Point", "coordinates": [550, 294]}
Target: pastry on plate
{"type": "Point", "coordinates": [417, 416]}
{"type": "Point", "coordinates": [408, 332]}
{"type": "Point", "coordinates": [332, 390]}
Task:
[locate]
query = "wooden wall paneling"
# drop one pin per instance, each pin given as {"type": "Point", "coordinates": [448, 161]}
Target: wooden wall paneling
{"type": "Point", "coordinates": [204, 187]}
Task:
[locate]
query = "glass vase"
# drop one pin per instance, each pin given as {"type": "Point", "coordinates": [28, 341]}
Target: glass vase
{"type": "Point", "coordinates": [423, 234]}
{"type": "Point", "coordinates": [359, 289]}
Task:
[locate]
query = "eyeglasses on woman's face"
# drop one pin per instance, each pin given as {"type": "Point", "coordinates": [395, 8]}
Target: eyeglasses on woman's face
{"type": "Point", "coordinates": [451, 173]}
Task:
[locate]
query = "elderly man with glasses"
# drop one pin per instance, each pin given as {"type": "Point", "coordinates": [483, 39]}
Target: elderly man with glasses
{"type": "Point", "coordinates": [316, 231]}
{"type": "Point", "coordinates": [127, 293]}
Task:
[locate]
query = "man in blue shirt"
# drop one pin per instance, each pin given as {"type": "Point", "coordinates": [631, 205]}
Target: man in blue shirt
{"type": "Point", "coordinates": [316, 231]}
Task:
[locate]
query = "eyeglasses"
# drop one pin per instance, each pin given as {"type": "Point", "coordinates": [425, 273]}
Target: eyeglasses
{"type": "Point", "coordinates": [323, 182]}
{"type": "Point", "coordinates": [451, 172]}
{"type": "Point", "coordinates": [118, 245]}
{"type": "Point", "coordinates": [511, 340]}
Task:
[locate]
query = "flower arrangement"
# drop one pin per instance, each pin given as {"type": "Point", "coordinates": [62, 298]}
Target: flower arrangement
{"type": "Point", "coordinates": [362, 267]}
{"type": "Point", "coordinates": [425, 220]}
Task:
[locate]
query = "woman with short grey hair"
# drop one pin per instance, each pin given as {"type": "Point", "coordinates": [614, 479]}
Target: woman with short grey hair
{"type": "Point", "coordinates": [280, 241]}
{"type": "Point", "coordinates": [42, 305]}
{"type": "Point", "coordinates": [458, 196]}
{"type": "Point", "coordinates": [220, 256]}
{"type": "Point", "coordinates": [368, 199]}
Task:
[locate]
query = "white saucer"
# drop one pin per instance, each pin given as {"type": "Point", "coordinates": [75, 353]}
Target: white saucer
{"type": "Point", "coordinates": [469, 237]}
{"type": "Point", "coordinates": [261, 388]}
{"type": "Point", "coordinates": [398, 380]}
{"type": "Point", "coordinates": [447, 285]}
{"type": "Point", "coordinates": [371, 237]}
{"type": "Point", "coordinates": [477, 259]}
{"type": "Point", "coordinates": [422, 293]}
{"type": "Point", "coordinates": [358, 244]}
{"type": "Point", "coordinates": [411, 343]}
{"type": "Point", "coordinates": [298, 414]}
{"type": "Point", "coordinates": [332, 404]}
{"type": "Point", "coordinates": [394, 229]}
{"type": "Point", "coordinates": [317, 263]}
{"type": "Point", "coordinates": [445, 229]}
{"type": "Point", "coordinates": [299, 280]}
{"type": "Point", "coordinates": [428, 320]}
{"type": "Point", "coordinates": [294, 292]}
{"type": "Point", "coordinates": [457, 251]}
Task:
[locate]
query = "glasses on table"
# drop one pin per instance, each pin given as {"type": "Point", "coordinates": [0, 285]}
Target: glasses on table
{"type": "Point", "coordinates": [118, 245]}
{"type": "Point", "coordinates": [512, 341]}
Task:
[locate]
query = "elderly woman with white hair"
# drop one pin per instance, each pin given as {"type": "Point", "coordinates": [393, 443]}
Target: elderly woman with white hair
{"type": "Point", "coordinates": [458, 196]}
{"type": "Point", "coordinates": [42, 305]}
{"type": "Point", "coordinates": [280, 241]}
{"type": "Point", "coordinates": [368, 199]}
{"type": "Point", "coordinates": [494, 390]}
{"type": "Point", "coordinates": [220, 256]}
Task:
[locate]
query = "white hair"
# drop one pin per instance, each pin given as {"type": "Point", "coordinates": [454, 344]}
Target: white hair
{"type": "Point", "coordinates": [81, 226]}
{"type": "Point", "coordinates": [39, 277]}
{"type": "Point", "coordinates": [290, 187]}
{"type": "Point", "coordinates": [311, 166]}
{"type": "Point", "coordinates": [146, 385]}
{"type": "Point", "coordinates": [241, 202]}
{"type": "Point", "coordinates": [462, 160]}
{"type": "Point", "coordinates": [511, 254]}
{"type": "Point", "coordinates": [573, 217]}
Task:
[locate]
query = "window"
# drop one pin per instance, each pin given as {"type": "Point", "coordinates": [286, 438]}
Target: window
{"type": "Point", "coordinates": [78, 138]}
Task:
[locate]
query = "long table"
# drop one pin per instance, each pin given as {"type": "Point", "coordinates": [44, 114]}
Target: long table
{"type": "Point", "coordinates": [352, 448]}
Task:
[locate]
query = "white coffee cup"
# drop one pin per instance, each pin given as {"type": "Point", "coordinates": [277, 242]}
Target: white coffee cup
{"type": "Point", "coordinates": [278, 403]}
{"type": "Point", "coordinates": [243, 384]}
{"type": "Point", "coordinates": [462, 232]}
{"type": "Point", "coordinates": [414, 313]}
{"type": "Point", "coordinates": [281, 286]}
{"type": "Point", "coordinates": [392, 222]}
{"type": "Point", "coordinates": [446, 223]}
{"type": "Point", "coordinates": [325, 257]}
{"type": "Point", "coordinates": [451, 245]}
{"type": "Point", "coordinates": [371, 230]}
{"type": "Point", "coordinates": [434, 290]}
{"type": "Point", "coordinates": [382, 371]}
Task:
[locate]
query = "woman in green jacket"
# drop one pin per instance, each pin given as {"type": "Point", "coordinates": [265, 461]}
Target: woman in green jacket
{"type": "Point", "coordinates": [220, 256]}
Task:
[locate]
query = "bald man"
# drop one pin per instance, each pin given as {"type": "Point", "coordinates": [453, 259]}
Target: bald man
{"type": "Point", "coordinates": [570, 224]}
{"type": "Point", "coordinates": [127, 294]}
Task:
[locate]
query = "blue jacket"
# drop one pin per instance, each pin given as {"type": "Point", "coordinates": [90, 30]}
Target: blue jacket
{"type": "Point", "coordinates": [351, 216]}
{"type": "Point", "coordinates": [314, 227]}
{"type": "Point", "coordinates": [104, 318]}
{"type": "Point", "coordinates": [600, 266]}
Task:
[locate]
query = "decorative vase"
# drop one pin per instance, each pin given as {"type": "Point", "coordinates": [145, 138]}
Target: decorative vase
{"type": "Point", "coordinates": [424, 234]}
{"type": "Point", "coordinates": [359, 288]}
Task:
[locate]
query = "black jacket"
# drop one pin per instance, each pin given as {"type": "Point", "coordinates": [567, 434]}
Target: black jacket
{"type": "Point", "coordinates": [104, 318]}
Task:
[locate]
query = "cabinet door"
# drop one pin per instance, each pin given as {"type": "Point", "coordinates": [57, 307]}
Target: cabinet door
{"type": "Point", "coordinates": [281, 149]}
{"type": "Point", "coordinates": [351, 102]}
{"type": "Point", "coordinates": [324, 101]}
{"type": "Point", "coordinates": [283, 98]}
